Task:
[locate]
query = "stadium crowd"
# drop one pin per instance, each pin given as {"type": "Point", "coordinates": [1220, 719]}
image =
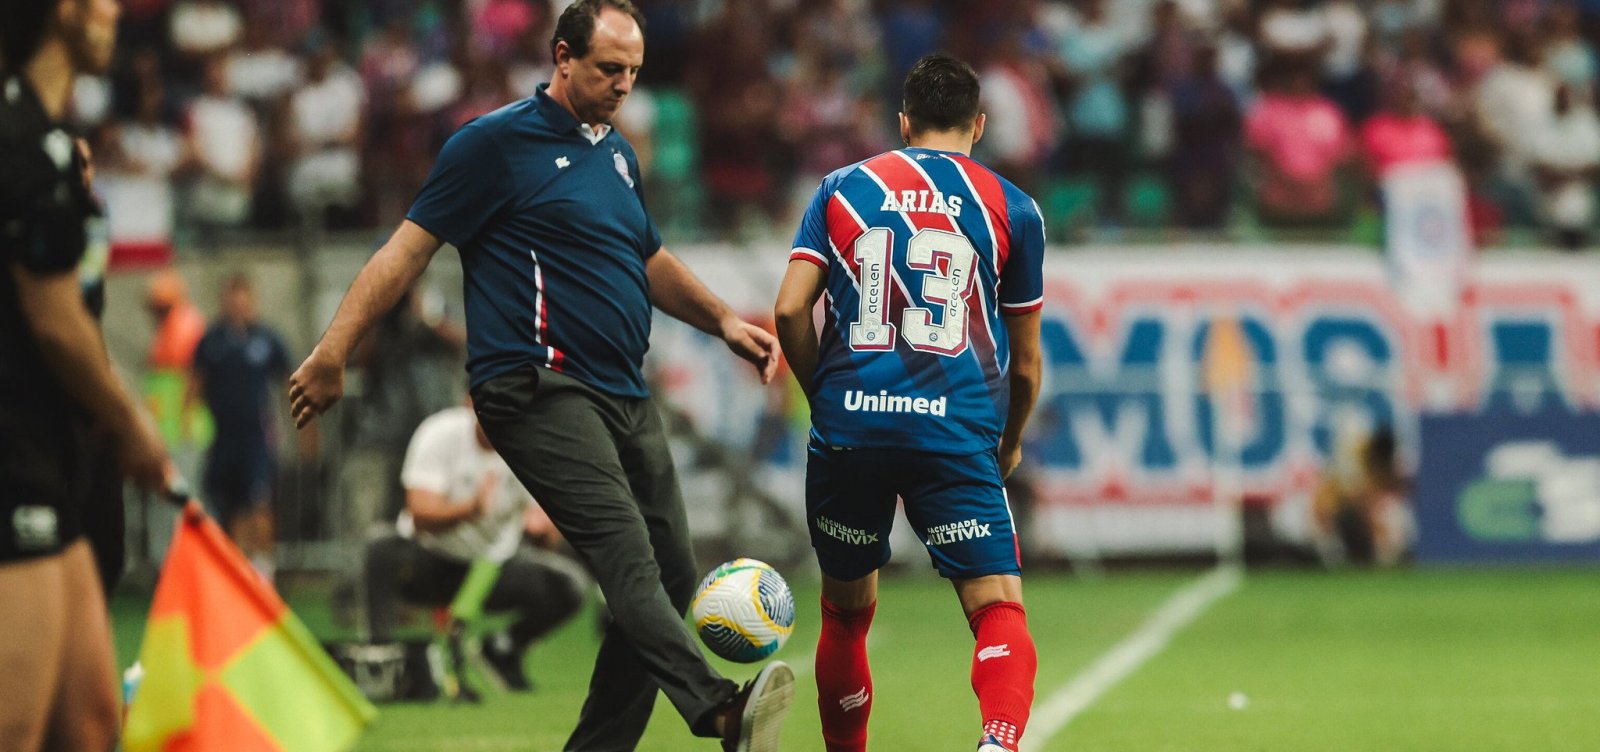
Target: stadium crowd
{"type": "Point", "coordinates": [1198, 114]}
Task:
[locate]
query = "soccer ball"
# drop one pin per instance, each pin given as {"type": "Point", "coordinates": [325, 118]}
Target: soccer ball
{"type": "Point", "coordinates": [743, 610]}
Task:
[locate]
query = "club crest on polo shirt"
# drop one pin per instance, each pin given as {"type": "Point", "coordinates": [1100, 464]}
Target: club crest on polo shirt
{"type": "Point", "coordinates": [35, 527]}
{"type": "Point", "coordinates": [622, 167]}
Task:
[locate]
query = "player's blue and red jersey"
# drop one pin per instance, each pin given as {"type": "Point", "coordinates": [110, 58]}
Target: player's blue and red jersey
{"type": "Point", "coordinates": [924, 250]}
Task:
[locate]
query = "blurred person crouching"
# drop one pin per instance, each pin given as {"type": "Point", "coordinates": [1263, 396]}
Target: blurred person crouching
{"type": "Point", "coordinates": [1360, 512]}
{"type": "Point", "coordinates": [464, 506]}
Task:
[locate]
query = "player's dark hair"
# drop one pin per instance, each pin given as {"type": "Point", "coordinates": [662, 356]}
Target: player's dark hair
{"type": "Point", "coordinates": [941, 94]}
{"type": "Point", "coordinates": [576, 25]}
{"type": "Point", "coordinates": [23, 31]}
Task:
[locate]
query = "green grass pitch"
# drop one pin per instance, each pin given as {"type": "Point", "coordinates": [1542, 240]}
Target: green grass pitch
{"type": "Point", "coordinates": [1457, 661]}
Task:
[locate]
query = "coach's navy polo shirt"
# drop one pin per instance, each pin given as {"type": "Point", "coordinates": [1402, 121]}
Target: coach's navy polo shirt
{"type": "Point", "coordinates": [553, 236]}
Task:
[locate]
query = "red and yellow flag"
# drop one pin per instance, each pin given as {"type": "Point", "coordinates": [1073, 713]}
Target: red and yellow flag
{"type": "Point", "coordinates": [229, 667]}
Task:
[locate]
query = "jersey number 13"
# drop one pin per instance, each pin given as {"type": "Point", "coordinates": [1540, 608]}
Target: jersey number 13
{"type": "Point", "coordinates": [949, 288]}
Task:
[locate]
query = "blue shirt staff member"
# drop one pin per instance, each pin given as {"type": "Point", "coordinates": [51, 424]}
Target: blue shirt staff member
{"type": "Point", "coordinates": [562, 265]}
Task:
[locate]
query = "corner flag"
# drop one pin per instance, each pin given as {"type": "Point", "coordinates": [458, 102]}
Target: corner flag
{"type": "Point", "coordinates": [229, 666]}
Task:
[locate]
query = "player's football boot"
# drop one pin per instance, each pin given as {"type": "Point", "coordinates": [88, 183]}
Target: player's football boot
{"type": "Point", "coordinates": [991, 743]}
{"type": "Point", "coordinates": [754, 720]}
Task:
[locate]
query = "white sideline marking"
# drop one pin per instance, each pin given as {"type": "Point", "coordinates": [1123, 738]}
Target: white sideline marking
{"type": "Point", "coordinates": [1071, 699]}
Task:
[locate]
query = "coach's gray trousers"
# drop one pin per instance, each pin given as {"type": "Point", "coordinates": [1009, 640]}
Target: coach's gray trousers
{"type": "Point", "coordinates": [600, 466]}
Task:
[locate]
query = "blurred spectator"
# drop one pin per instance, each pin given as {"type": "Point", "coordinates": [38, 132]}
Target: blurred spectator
{"type": "Point", "coordinates": [204, 27]}
{"type": "Point", "coordinates": [1070, 85]}
{"type": "Point", "coordinates": [1414, 64]}
{"type": "Point", "coordinates": [1360, 513]}
{"type": "Point", "coordinates": [324, 131]}
{"type": "Point", "coordinates": [1514, 99]}
{"type": "Point", "coordinates": [1346, 28]}
{"type": "Point", "coordinates": [260, 72]}
{"type": "Point", "coordinates": [1393, 20]}
{"type": "Point", "coordinates": [1236, 53]}
{"type": "Point", "coordinates": [1205, 160]}
{"type": "Point", "coordinates": [485, 88]}
{"type": "Point", "coordinates": [1021, 131]}
{"type": "Point", "coordinates": [1097, 116]}
{"type": "Point", "coordinates": [1168, 57]}
{"type": "Point", "coordinates": [500, 23]}
{"type": "Point", "coordinates": [737, 98]}
{"type": "Point", "coordinates": [239, 366]}
{"type": "Point", "coordinates": [1402, 133]}
{"type": "Point", "coordinates": [281, 23]}
{"type": "Point", "coordinates": [397, 95]}
{"type": "Point", "coordinates": [144, 24]}
{"type": "Point", "coordinates": [1301, 140]}
{"type": "Point", "coordinates": [828, 124]}
{"type": "Point", "coordinates": [226, 143]}
{"type": "Point", "coordinates": [911, 29]}
{"type": "Point", "coordinates": [1357, 90]}
{"type": "Point", "coordinates": [1294, 32]}
{"type": "Point", "coordinates": [840, 31]}
{"type": "Point", "coordinates": [179, 325]}
{"type": "Point", "coordinates": [1566, 156]}
{"type": "Point", "coordinates": [1568, 56]}
{"type": "Point", "coordinates": [138, 160]}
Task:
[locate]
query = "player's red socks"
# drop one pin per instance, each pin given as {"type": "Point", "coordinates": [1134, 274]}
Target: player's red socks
{"type": "Point", "coordinates": [844, 680]}
{"type": "Point", "coordinates": [1003, 667]}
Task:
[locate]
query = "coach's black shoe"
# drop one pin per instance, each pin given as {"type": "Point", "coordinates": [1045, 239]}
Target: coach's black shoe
{"type": "Point", "coordinates": [507, 664]}
{"type": "Point", "coordinates": [754, 720]}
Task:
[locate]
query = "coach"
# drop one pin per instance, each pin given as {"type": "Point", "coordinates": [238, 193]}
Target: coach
{"type": "Point", "coordinates": [562, 264]}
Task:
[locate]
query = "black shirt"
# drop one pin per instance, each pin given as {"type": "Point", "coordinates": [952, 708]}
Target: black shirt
{"type": "Point", "coordinates": [47, 220]}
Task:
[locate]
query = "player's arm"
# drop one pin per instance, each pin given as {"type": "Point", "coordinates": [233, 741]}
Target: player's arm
{"type": "Point", "coordinates": [678, 293]}
{"type": "Point", "coordinates": [70, 342]}
{"type": "Point", "coordinates": [1026, 372]}
{"type": "Point", "coordinates": [319, 382]}
{"type": "Point", "coordinates": [797, 327]}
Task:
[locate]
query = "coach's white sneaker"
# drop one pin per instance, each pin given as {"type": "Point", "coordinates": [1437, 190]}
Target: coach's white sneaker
{"type": "Point", "coordinates": [755, 721]}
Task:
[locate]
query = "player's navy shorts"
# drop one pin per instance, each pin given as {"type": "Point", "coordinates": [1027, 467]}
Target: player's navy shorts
{"type": "Point", "coordinates": [956, 504]}
{"type": "Point", "coordinates": [238, 477]}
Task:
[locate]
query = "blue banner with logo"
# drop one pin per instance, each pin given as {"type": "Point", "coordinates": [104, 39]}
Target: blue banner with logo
{"type": "Point", "coordinates": [1501, 486]}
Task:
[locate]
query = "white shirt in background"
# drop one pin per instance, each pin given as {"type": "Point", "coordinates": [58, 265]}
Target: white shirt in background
{"type": "Point", "coordinates": [1569, 142]}
{"type": "Point", "coordinates": [327, 111]}
{"type": "Point", "coordinates": [226, 137]}
{"type": "Point", "coordinates": [200, 28]}
{"type": "Point", "coordinates": [262, 75]}
{"type": "Point", "coordinates": [1293, 30]}
{"type": "Point", "coordinates": [1346, 24]}
{"type": "Point", "coordinates": [446, 458]}
{"type": "Point", "coordinates": [323, 115]}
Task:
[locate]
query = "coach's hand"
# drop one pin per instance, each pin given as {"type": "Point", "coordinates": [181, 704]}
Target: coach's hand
{"type": "Point", "coordinates": [314, 387]}
{"type": "Point", "coordinates": [1010, 457]}
{"type": "Point", "coordinates": [752, 343]}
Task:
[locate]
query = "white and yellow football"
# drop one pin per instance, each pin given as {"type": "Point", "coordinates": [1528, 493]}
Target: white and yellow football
{"type": "Point", "coordinates": [743, 610]}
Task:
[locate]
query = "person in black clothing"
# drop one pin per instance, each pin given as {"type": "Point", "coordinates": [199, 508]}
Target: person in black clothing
{"type": "Point", "coordinates": [57, 390]}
